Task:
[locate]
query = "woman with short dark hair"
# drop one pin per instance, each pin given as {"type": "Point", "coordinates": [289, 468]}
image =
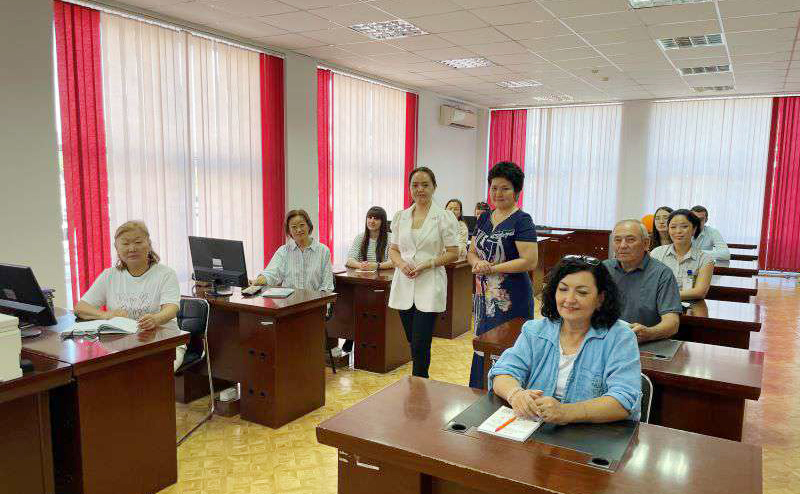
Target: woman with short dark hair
{"type": "Point", "coordinates": [501, 254]}
{"type": "Point", "coordinates": [691, 266]}
{"type": "Point", "coordinates": [302, 262]}
{"type": "Point", "coordinates": [579, 363]}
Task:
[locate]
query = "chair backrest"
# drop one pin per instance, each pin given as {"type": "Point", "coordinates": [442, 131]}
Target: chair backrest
{"type": "Point", "coordinates": [193, 318]}
{"type": "Point", "coordinates": [647, 398]}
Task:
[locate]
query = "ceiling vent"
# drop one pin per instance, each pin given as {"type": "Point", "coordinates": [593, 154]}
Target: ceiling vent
{"type": "Point", "coordinates": [703, 89]}
{"type": "Point", "coordinates": [710, 69]}
{"type": "Point", "coordinates": [690, 41]}
{"type": "Point", "coordinates": [466, 63]}
{"type": "Point", "coordinates": [643, 4]}
{"type": "Point", "coordinates": [519, 84]}
{"type": "Point", "coordinates": [395, 29]}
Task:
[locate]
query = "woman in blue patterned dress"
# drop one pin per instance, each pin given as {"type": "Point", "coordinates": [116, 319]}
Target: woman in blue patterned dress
{"type": "Point", "coordinates": [502, 253]}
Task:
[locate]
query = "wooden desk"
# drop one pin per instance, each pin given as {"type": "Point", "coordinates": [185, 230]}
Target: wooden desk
{"type": "Point", "coordinates": [362, 314]}
{"type": "Point", "coordinates": [719, 322]}
{"type": "Point", "coordinates": [702, 389]}
{"type": "Point", "coordinates": [27, 465]}
{"type": "Point", "coordinates": [114, 425]}
{"type": "Point", "coordinates": [274, 347]}
{"type": "Point", "coordinates": [395, 441]}
{"type": "Point", "coordinates": [454, 321]}
{"type": "Point", "coordinates": [744, 254]}
{"type": "Point", "coordinates": [732, 288]}
{"type": "Point", "coordinates": [736, 268]}
{"type": "Point", "coordinates": [743, 246]}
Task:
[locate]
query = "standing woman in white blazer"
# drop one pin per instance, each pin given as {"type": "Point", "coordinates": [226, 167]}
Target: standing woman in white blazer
{"type": "Point", "coordinates": [424, 238]}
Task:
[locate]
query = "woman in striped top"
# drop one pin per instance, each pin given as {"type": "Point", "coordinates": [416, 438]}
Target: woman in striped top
{"type": "Point", "coordinates": [370, 250]}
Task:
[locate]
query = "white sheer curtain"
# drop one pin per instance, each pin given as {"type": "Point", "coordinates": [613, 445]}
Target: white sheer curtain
{"type": "Point", "coordinates": [571, 165]}
{"type": "Point", "coordinates": [183, 135]}
{"type": "Point", "coordinates": [368, 155]}
{"type": "Point", "coordinates": [225, 133]}
{"type": "Point", "coordinates": [147, 144]}
{"type": "Point", "coordinates": [712, 153]}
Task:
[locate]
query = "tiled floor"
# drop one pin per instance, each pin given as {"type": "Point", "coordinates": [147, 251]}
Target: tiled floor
{"type": "Point", "coordinates": [231, 456]}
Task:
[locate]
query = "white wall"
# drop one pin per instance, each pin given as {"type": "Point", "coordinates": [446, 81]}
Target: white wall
{"type": "Point", "coordinates": [30, 201]}
{"type": "Point", "coordinates": [457, 156]}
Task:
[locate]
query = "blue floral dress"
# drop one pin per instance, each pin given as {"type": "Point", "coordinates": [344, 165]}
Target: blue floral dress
{"type": "Point", "coordinates": [500, 297]}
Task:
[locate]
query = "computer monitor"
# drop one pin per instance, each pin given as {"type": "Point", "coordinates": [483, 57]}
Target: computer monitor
{"type": "Point", "coordinates": [21, 296]}
{"type": "Point", "coordinates": [218, 261]}
{"type": "Point", "coordinates": [470, 221]}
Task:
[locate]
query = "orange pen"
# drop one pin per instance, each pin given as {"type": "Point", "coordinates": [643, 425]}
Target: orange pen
{"type": "Point", "coordinates": [506, 423]}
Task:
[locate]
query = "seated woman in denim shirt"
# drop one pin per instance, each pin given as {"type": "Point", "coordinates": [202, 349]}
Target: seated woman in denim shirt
{"type": "Point", "coordinates": [578, 364]}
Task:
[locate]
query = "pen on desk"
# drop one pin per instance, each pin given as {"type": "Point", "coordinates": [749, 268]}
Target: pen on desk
{"type": "Point", "coordinates": [506, 423]}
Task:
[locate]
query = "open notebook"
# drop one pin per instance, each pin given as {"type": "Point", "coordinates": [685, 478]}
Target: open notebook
{"type": "Point", "coordinates": [115, 325]}
{"type": "Point", "coordinates": [518, 430]}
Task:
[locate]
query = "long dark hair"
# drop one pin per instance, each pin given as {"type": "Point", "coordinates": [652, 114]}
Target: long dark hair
{"type": "Point", "coordinates": [460, 207]}
{"type": "Point", "coordinates": [383, 234]}
{"type": "Point", "coordinates": [656, 240]}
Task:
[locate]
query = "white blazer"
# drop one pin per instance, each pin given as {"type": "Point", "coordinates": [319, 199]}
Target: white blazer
{"type": "Point", "coordinates": [428, 291]}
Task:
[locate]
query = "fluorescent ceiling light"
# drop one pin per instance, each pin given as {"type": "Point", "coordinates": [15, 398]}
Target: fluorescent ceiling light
{"type": "Point", "coordinates": [703, 89]}
{"type": "Point", "coordinates": [518, 84]}
{"type": "Point", "coordinates": [642, 4]}
{"type": "Point", "coordinates": [395, 29]}
{"type": "Point", "coordinates": [467, 63]}
{"type": "Point", "coordinates": [710, 69]}
{"type": "Point", "coordinates": [690, 41]}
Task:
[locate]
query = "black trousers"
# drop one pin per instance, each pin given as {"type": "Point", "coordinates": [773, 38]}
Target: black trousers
{"type": "Point", "coordinates": [418, 326]}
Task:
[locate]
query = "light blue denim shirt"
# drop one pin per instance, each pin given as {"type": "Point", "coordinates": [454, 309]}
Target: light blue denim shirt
{"type": "Point", "coordinates": [607, 364]}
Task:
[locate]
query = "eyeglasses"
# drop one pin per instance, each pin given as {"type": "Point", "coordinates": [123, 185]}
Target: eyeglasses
{"type": "Point", "coordinates": [592, 261]}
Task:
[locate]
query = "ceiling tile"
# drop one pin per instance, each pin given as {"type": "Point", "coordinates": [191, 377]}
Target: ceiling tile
{"type": "Point", "coordinates": [503, 48]}
{"type": "Point", "coordinates": [427, 68]}
{"type": "Point", "coordinates": [759, 67]}
{"type": "Point", "coordinates": [315, 4]}
{"type": "Point", "coordinates": [645, 47]}
{"type": "Point", "coordinates": [443, 23]}
{"type": "Point", "coordinates": [617, 36]}
{"type": "Point", "coordinates": [325, 52]}
{"type": "Point", "coordinates": [426, 42]}
{"type": "Point", "coordinates": [765, 21]}
{"type": "Point", "coordinates": [416, 8]}
{"type": "Point", "coordinates": [568, 54]}
{"type": "Point", "coordinates": [701, 62]}
{"type": "Point", "coordinates": [735, 8]}
{"type": "Point", "coordinates": [289, 41]}
{"type": "Point", "coordinates": [572, 8]}
{"type": "Point", "coordinates": [762, 57]}
{"type": "Point", "coordinates": [517, 58]}
{"type": "Point", "coordinates": [336, 36]}
{"type": "Point", "coordinates": [479, 71]}
{"type": "Point", "coordinates": [709, 80]}
{"type": "Point", "coordinates": [528, 30]}
{"type": "Point", "coordinates": [695, 28]}
{"type": "Point", "coordinates": [697, 52]}
{"type": "Point", "coordinates": [604, 22]}
{"type": "Point", "coordinates": [754, 49]}
{"type": "Point", "coordinates": [195, 12]}
{"type": "Point", "coordinates": [249, 28]}
{"type": "Point", "coordinates": [513, 14]}
{"type": "Point", "coordinates": [399, 58]}
{"type": "Point", "coordinates": [475, 36]}
{"type": "Point", "coordinates": [554, 43]}
{"type": "Point", "coordinates": [371, 48]}
{"type": "Point", "coordinates": [765, 37]}
{"type": "Point", "coordinates": [297, 21]}
{"type": "Point", "coordinates": [446, 53]}
{"type": "Point", "coordinates": [250, 7]}
{"type": "Point", "coordinates": [357, 13]}
{"type": "Point", "coordinates": [678, 13]}
{"type": "Point", "coordinates": [582, 63]}
{"type": "Point", "coordinates": [476, 4]}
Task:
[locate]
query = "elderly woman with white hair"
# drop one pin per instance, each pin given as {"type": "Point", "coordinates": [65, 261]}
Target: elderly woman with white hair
{"type": "Point", "coordinates": [137, 287]}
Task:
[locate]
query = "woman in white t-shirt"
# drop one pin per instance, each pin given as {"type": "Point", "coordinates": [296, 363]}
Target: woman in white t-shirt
{"type": "Point", "coordinates": [137, 287]}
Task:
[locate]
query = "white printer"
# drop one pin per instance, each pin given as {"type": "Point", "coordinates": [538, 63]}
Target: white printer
{"type": "Point", "coordinates": [10, 348]}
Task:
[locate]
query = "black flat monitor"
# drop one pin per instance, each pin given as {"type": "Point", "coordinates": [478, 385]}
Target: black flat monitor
{"type": "Point", "coordinates": [470, 221]}
{"type": "Point", "coordinates": [21, 296]}
{"type": "Point", "coordinates": [218, 261]}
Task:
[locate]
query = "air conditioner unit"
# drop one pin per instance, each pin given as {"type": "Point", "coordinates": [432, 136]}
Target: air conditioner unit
{"type": "Point", "coordinates": [455, 117]}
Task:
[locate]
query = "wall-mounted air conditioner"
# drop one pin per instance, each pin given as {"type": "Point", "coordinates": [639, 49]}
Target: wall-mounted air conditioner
{"type": "Point", "coordinates": [455, 117]}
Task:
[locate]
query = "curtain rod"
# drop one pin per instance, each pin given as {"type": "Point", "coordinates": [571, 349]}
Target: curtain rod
{"type": "Point", "coordinates": [747, 96]}
{"type": "Point", "coordinates": [613, 103]}
{"type": "Point", "coordinates": [364, 78]}
{"type": "Point", "coordinates": [149, 18]}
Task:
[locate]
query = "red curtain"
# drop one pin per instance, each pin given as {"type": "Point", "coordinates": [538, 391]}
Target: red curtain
{"type": "Point", "coordinates": [273, 155]}
{"type": "Point", "coordinates": [80, 91]}
{"type": "Point", "coordinates": [507, 138]}
{"type": "Point", "coordinates": [412, 110]}
{"type": "Point", "coordinates": [325, 155]}
{"type": "Point", "coordinates": [780, 226]}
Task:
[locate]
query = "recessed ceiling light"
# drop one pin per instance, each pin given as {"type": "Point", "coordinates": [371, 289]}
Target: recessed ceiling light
{"type": "Point", "coordinates": [702, 89]}
{"type": "Point", "coordinates": [395, 29]}
{"type": "Point", "coordinates": [643, 4]}
{"type": "Point", "coordinates": [517, 84]}
{"type": "Point", "coordinates": [467, 63]}
{"type": "Point", "coordinates": [710, 69]}
{"type": "Point", "coordinates": [690, 41]}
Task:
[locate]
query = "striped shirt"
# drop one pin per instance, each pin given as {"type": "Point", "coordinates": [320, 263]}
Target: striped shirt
{"type": "Point", "coordinates": [294, 268]}
{"type": "Point", "coordinates": [372, 246]}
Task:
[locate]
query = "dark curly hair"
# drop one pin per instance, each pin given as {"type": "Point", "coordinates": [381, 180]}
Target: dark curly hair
{"type": "Point", "coordinates": [607, 314]}
{"type": "Point", "coordinates": [509, 171]}
{"type": "Point", "coordinates": [690, 216]}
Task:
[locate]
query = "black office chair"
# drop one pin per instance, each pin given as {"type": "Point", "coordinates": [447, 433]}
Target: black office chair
{"type": "Point", "coordinates": [193, 318]}
{"type": "Point", "coordinates": [647, 398]}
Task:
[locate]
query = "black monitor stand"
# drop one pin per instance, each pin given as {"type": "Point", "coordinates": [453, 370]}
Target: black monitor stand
{"type": "Point", "coordinates": [29, 330]}
{"type": "Point", "coordinates": [217, 288]}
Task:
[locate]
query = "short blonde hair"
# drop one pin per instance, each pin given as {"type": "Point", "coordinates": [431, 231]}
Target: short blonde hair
{"type": "Point", "coordinates": [136, 226]}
